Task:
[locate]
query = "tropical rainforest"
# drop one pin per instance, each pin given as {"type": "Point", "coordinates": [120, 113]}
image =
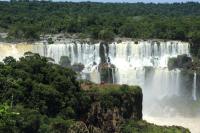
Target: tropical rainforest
{"type": "Point", "coordinates": [24, 20]}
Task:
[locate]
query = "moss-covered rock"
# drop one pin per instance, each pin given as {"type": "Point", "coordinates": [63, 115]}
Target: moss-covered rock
{"type": "Point", "coordinates": [112, 105]}
{"type": "Point", "coordinates": [116, 109]}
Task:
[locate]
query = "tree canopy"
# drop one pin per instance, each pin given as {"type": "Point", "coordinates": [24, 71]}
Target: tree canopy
{"type": "Point", "coordinates": [28, 20]}
{"type": "Point", "coordinates": [37, 90]}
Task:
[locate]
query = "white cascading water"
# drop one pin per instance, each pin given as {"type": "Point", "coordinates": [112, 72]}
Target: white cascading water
{"type": "Point", "coordinates": [78, 53]}
{"type": "Point", "coordinates": [145, 63]}
{"type": "Point", "coordinates": [145, 53]}
{"type": "Point", "coordinates": [194, 87]}
{"type": "Point", "coordinates": [141, 63]}
{"type": "Point", "coordinates": [134, 61]}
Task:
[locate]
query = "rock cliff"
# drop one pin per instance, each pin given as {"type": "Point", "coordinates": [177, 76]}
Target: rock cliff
{"type": "Point", "coordinates": [116, 109]}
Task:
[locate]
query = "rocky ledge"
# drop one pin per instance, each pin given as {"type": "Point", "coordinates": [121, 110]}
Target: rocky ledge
{"type": "Point", "coordinates": [116, 109]}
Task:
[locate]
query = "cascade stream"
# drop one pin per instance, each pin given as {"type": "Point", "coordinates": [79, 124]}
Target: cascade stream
{"type": "Point", "coordinates": [194, 95]}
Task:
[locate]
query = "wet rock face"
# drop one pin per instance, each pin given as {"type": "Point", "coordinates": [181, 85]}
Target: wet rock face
{"type": "Point", "coordinates": [65, 61]}
{"type": "Point", "coordinates": [78, 67]}
{"type": "Point", "coordinates": [107, 120]}
{"type": "Point", "coordinates": [107, 72]}
{"type": "Point", "coordinates": [108, 111]}
{"type": "Point", "coordinates": [103, 52]}
{"type": "Point", "coordinates": [182, 61]}
{"type": "Point", "coordinates": [111, 106]}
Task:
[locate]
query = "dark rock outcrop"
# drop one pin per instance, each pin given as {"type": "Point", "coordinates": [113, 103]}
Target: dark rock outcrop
{"type": "Point", "coordinates": [107, 73]}
{"type": "Point", "coordinates": [115, 109]}
{"type": "Point", "coordinates": [78, 67]}
{"type": "Point", "coordinates": [112, 105]}
{"type": "Point", "coordinates": [182, 61]}
{"type": "Point", "coordinates": [103, 52]}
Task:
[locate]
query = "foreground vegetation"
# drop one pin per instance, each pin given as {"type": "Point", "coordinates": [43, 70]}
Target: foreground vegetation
{"type": "Point", "coordinates": [29, 20]}
{"type": "Point", "coordinates": [37, 96]}
{"type": "Point", "coordinates": [144, 127]}
{"type": "Point", "coordinates": [39, 90]}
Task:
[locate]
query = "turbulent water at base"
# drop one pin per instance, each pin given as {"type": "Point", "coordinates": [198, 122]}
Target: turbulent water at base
{"type": "Point", "coordinates": [168, 95]}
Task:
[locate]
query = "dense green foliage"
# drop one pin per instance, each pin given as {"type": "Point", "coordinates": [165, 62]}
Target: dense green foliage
{"type": "Point", "coordinates": [44, 94]}
{"type": "Point", "coordinates": [125, 97]}
{"type": "Point", "coordinates": [28, 20]}
{"type": "Point", "coordinates": [7, 116]}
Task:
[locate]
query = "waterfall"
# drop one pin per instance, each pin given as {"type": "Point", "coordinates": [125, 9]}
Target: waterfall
{"type": "Point", "coordinates": [142, 63]}
{"type": "Point", "coordinates": [194, 96]}
{"type": "Point", "coordinates": [145, 64]}
{"type": "Point", "coordinates": [130, 59]}
{"type": "Point", "coordinates": [177, 82]}
{"type": "Point", "coordinates": [113, 75]}
{"type": "Point", "coordinates": [145, 53]}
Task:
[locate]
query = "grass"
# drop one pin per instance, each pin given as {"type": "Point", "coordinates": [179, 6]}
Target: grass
{"type": "Point", "coordinates": [110, 88]}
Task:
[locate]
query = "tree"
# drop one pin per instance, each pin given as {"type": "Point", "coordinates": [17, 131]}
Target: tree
{"type": "Point", "coordinates": [9, 60]}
